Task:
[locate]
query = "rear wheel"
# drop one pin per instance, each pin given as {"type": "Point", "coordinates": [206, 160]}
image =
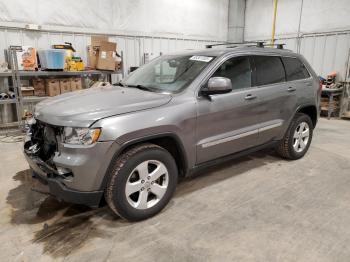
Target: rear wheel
{"type": "Point", "coordinates": [142, 182]}
{"type": "Point", "coordinates": [297, 139]}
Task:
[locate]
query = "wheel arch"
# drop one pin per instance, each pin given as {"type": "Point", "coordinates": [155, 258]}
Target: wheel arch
{"type": "Point", "coordinates": [169, 141]}
{"type": "Point", "coordinates": [311, 111]}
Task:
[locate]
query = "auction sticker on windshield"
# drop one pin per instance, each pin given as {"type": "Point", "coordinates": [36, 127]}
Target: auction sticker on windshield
{"type": "Point", "coordinates": [201, 58]}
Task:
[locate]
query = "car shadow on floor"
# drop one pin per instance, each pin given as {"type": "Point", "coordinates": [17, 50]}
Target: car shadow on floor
{"type": "Point", "coordinates": [66, 227]}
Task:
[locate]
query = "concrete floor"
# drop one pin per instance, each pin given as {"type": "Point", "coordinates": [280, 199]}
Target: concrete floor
{"type": "Point", "coordinates": [257, 208]}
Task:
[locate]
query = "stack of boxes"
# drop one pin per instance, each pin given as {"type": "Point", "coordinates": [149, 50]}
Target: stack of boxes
{"type": "Point", "coordinates": [53, 87]}
{"type": "Point", "coordinates": [103, 54]}
{"type": "Point", "coordinates": [39, 87]}
{"type": "Point", "coordinates": [76, 84]}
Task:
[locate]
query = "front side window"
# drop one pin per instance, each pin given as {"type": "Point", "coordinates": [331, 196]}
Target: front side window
{"type": "Point", "coordinates": [170, 73]}
{"type": "Point", "coordinates": [269, 70]}
{"type": "Point", "coordinates": [238, 70]}
{"type": "Point", "coordinates": [295, 69]}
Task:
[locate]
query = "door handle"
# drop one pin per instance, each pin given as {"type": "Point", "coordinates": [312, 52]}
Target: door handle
{"type": "Point", "coordinates": [291, 89]}
{"type": "Point", "coordinates": [249, 97]}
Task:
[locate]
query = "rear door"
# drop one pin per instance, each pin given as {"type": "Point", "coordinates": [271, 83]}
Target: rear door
{"type": "Point", "coordinates": [299, 79]}
{"type": "Point", "coordinates": [278, 98]}
{"type": "Point", "coordinates": [228, 123]}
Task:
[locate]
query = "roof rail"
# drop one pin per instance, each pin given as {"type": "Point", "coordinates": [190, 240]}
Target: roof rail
{"type": "Point", "coordinates": [278, 46]}
{"type": "Point", "coordinates": [227, 43]}
{"type": "Point", "coordinates": [256, 43]}
{"type": "Point", "coordinates": [260, 44]}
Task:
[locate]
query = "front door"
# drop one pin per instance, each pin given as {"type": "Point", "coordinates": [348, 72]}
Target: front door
{"type": "Point", "coordinates": [228, 123]}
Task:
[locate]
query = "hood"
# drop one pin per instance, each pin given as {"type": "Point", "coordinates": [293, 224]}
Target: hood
{"type": "Point", "coordinates": [84, 107]}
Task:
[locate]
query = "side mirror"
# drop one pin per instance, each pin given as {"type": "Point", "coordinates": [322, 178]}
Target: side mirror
{"type": "Point", "coordinates": [217, 85]}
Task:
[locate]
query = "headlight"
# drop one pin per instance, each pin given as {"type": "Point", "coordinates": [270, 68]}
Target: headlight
{"type": "Point", "coordinates": [80, 136]}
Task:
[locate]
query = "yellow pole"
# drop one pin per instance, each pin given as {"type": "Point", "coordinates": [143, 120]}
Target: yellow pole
{"type": "Point", "coordinates": [274, 21]}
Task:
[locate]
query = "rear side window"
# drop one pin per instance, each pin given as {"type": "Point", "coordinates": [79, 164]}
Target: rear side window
{"type": "Point", "coordinates": [238, 70]}
{"type": "Point", "coordinates": [269, 70]}
{"type": "Point", "coordinates": [295, 69]}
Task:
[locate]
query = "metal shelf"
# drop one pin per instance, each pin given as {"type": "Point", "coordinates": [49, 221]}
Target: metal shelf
{"type": "Point", "coordinates": [17, 75]}
{"type": "Point", "coordinates": [9, 125]}
{"type": "Point", "coordinates": [60, 73]}
{"type": "Point", "coordinates": [66, 73]}
{"type": "Point", "coordinates": [33, 99]}
{"type": "Point", "coordinates": [7, 101]}
{"type": "Point", "coordinates": [5, 74]}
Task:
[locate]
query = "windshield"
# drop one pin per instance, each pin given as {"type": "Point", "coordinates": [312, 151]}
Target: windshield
{"type": "Point", "coordinates": [170, 73]}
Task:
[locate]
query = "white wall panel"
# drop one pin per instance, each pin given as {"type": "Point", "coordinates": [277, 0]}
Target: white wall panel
{"type": "Point", "coordinates": [203, 19]}
{"type": "Point", "coordinates": [342, 50]}
{"type": "Point", "coordinates": [307, 48]}
{"type": "Point", "coordinates": [317, 16]}
{"type": "Point", "coordinates": [325, 52]}
{"type": "Point", "coordinates": [236, 19]}
{"type": "Point", "coordinates": [172, 45]}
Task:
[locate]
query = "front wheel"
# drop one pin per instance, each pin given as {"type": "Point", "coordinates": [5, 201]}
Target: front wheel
{"type": "Point", "coordinates": [142, 182]}
{"type": "Point", "coordinates": [297, 139]}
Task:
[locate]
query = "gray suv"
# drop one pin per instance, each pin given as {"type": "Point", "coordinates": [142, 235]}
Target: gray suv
{"type": "Point", "coordinates": [129, 143]}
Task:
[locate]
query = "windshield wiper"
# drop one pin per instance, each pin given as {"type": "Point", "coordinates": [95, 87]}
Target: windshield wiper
{"type": "Point", "coordinates": [142, 87]}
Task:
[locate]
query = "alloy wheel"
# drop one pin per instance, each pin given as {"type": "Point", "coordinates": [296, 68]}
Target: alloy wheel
{"type": "Point", "coordinates": [301, 137]}
{"type": "Point", "coordinates": [147, 184]}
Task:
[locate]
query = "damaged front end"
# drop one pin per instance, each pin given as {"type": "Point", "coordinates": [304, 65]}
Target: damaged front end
{"type": "Point", "coordinates": [64, 169]}
{"type": "Point", "coordinates": [41, 145]}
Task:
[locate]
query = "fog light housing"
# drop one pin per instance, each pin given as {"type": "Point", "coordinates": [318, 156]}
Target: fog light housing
{"type": "Point", "coordinates": [63, 171]}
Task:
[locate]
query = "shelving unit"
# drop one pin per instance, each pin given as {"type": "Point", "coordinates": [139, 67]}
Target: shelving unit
{"type": "Point", "coordinates": [15, 76]}
{"type": "Point", "coordinates": [7, 101]}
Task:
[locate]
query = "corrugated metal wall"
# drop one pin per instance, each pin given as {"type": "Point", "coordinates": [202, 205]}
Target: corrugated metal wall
{"type": "Point", "coordinates": [326, 52]}
{"type": "Point", "coordinates": [132, 47]}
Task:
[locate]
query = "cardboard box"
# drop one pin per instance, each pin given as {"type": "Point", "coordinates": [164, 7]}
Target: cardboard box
{"type": "Point", "coordinates": [26, 58]}
{"type": "Point", "coordinates": [76, 84]}
{"type": "Point", "coordinates": [93, 50]}
{"type": "Point", "coordinates": [97, 39]}
{"type": "Point", "coordinates": [27, 90]}
{"type": "Point", "coordinates": [93, 56]}
{"type": "Point", "coordinates": [39, 87]}
{"type": "Point", "coordinates": [65, 85]}
{"type": "Point", "coordinates": [106, 56]}
{"type": "Point", "coordinates": [53, 87]}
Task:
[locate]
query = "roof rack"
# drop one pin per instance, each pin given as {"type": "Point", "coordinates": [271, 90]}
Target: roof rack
{"type": "Point", "coordinates": [260, 44]}
{"type": "Point", "coordinates": [256, 43]}
{"type": "Point", "coordinates": [227, 43]}
{"type": "Point", "coordinates": [280, 46]}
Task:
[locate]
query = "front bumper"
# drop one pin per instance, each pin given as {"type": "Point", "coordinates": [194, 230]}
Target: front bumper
{"type": "Point", "coordinates": [58, 189]}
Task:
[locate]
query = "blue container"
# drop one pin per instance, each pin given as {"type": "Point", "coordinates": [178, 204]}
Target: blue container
{"type": "Point", "coordinates": [52, 59]}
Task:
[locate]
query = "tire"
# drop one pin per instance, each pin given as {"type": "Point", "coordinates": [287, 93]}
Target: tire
{"type": "Point", "coordinates": [138, 169]}
{"type": "Point", "coordinates": [288, 147]}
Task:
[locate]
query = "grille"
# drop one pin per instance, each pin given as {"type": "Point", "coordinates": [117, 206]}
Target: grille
{"type": "Point", "coordinates": [44, 138]}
